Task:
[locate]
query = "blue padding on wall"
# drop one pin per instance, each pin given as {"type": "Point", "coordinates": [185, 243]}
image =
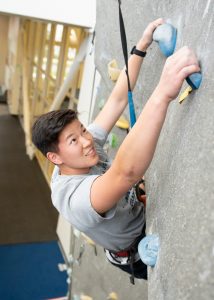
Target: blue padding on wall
{"type": "Point", "coordinates": [30, 271]}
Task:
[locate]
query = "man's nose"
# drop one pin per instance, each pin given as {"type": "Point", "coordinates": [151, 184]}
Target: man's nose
{"type": "Point", "coordinates": [85, 141]}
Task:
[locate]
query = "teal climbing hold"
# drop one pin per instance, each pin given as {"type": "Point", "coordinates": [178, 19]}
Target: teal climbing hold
{"type": "Point", "coordinates": [148, 249]}
{"type": "Point", "coordinates": [194, 80]}
{"type": "Point", "coordinates": [166, 35]}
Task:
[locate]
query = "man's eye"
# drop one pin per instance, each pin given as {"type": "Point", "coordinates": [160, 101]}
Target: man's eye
{"type": "Point", "coordinates": [73, 141]}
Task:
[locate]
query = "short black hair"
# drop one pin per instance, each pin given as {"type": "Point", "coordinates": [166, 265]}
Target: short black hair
{"type": "Point", "coordinates": [47, 128]}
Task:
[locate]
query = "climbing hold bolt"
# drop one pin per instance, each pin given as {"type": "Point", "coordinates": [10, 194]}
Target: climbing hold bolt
{"type": "Point", "coordinates": [148, 249]}
{"type": "Point", "coordinates": [165, 35]}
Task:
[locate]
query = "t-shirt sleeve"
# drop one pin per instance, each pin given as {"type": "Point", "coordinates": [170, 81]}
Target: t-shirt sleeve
{"type": "Point", "coordinates": [98, 133]}
{"type": "Point", "coordinates": [83, 214]}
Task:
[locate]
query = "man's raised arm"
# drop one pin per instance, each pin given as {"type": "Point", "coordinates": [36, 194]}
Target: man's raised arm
{"type": "Point", "coordinates": [117, 101]}
{"type": "Point", "coordinates": [137, 150]}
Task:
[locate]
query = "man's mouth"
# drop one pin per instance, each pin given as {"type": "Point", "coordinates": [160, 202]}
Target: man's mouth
{"type": "Point", "coordinates": [91, 152]}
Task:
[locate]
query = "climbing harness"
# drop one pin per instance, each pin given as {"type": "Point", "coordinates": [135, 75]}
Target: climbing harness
{"type": "Point", "coordinates": [125, 54]}
{"type": "Point", "coordinates": [140, 191]}
{"type": "Point", "coordinates": [127, 257]}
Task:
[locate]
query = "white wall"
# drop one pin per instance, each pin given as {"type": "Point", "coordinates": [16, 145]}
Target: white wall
{"type": "Point", "coordinates": [89, 86]}
{"type": "Point", "coordinates": [80, 13]}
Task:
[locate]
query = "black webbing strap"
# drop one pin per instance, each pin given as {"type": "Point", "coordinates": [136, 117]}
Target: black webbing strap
{"type": "Point", "coordinates": [125, 54]}
{"type": "Point", "coordinates": [124, 43]}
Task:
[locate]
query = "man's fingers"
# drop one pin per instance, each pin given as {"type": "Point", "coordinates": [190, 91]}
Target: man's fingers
{"type": "Point", "coordinates": [183, 58]}
{"type": "Point", "coordinates": [184, 51]}
{"type": "Point", "coordinates": [188, 70]}
{"type": "Point", "coordinates": [156, 23]}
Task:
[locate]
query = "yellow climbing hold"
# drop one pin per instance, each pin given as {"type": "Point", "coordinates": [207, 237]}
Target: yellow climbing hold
{"type": "Point", "coordinates": [87, 239]}
{"type": "Point", "coordinates": [113, 70]}
{"type": "Point", "coordinates": [112, 296]}
{"type": "Point", "coordinates": [85, 297]}
{"type": "Point", "coordinates": [122, 123]}
{"type": "Point", "coordinates": [185, 94]}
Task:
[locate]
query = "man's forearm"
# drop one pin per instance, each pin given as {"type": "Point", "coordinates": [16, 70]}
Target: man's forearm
{"type": "Point", "coordinates": [134, 65]}
{"type": "Point", "coordinates": [137, 150]}
{"type": "Point", "coordinates": [118, 99]}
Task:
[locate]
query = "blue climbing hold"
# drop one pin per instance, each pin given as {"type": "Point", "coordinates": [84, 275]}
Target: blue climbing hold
{"type": "Point", "coordinates": [166, 36]}
{"type": "Point", "coordinates": [148, 249]}
{"type": "Point", "coordinates": [194, 80]}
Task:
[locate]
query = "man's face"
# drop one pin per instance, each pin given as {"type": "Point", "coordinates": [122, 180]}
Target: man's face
{"type": "Point", "coordinates": [76, 149]}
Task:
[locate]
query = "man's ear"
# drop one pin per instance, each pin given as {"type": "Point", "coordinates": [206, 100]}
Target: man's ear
{"type": "Point", "coordinates": [54, 158]}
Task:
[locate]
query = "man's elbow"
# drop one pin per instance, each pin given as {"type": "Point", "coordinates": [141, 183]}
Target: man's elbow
{"type": "Point", "coordinates": [126, 172]}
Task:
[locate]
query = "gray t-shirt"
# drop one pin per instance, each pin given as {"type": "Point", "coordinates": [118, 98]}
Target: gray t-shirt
{"type": "Point", "coordinates": [71, 196]}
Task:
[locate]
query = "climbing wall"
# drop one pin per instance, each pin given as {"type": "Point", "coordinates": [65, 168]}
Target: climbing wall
{"type": "Point", "coordinates": [179, 181]}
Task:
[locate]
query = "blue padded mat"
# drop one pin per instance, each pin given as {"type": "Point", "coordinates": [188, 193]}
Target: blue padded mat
{"type": "Point", "coordinates": [30, 271]}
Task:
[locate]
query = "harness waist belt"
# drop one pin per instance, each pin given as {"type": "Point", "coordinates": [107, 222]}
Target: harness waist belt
{"type": "Point", "coordinates": [122, 253]}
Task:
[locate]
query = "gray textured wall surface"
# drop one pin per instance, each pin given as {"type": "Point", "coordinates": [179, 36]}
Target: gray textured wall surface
{"type": "Point", "coordinates": [179, 182]}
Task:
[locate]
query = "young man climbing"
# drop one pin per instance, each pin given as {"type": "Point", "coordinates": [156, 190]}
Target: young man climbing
{"type": "Point", "coordinates": [97, 197]}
